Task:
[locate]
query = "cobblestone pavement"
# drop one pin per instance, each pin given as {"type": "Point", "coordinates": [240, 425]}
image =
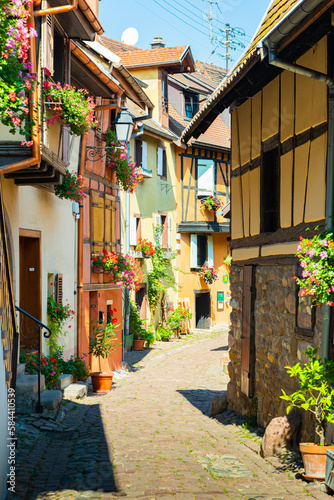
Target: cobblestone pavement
{"type": "Point", "coordinates": [151, 438]}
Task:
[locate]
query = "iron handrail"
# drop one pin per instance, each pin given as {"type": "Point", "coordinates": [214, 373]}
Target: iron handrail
{"type": "Point", "coordinates": [41, 327]}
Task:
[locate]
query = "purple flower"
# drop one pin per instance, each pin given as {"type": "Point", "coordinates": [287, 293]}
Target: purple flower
{"type": "Point", "coordinates": [323, 254]}
{"type": "Point", "coordinates": [303, 263]}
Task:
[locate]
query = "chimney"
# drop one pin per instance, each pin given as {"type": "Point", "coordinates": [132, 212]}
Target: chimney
{"type": "Point", "coordinates": [157, 43]}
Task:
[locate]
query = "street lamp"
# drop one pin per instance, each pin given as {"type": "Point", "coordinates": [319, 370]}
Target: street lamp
{"type": "Point", "coordinates": [123, 126]}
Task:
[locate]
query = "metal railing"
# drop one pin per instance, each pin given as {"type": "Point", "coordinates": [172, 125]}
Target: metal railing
{"type": "Point", "coordinates": [32, 334]}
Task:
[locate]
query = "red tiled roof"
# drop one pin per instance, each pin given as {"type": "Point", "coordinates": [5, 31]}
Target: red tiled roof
{"type": "Point", "coordinates": [132, 56]}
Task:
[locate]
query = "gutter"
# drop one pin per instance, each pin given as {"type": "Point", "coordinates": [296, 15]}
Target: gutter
{"type": "Point", "coordinates": [35, 137]}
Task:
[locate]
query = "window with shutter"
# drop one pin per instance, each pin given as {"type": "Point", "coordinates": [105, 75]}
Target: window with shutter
{"type": "Point", "coordinates": [97, 222]}
{"type": "Point", "coordinates": [47, 42]}
{"type": "Point", "coordinates": [59, 288]}
{"type": "Point", "coordinates": [164, 164]}
{"type": "Point", "coordinates": [205, 177]}
{"type": "Point", "coordinates": [144, 154]}
{"type": "Point", "coordinates": [164, 232]}
{"type": "Point", "coordinates": [159, 161]}
{"type": "Point", "coordinates": [109, 223]}
{"type": "Point", "coordinates": [157, 222]}
{"type": "Point", "coordinates": [210, 250]}
{"type": "Point", "coordinates": [170, 232]}
{"type": "Point", "coordinates": [201, 250]}
{"type": "Point", "coordinates": [138, 152]}
{"type": "Point", "coordinates": [133, 231]}
{"type": "Point", "coordinates": [193, 251]}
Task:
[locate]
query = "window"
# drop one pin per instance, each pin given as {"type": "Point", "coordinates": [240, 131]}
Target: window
{"type": "Point", "coordinates": [205, 177]}
{"type": "Point", "coordinates": [162, 162]}
{"type": "Point", "coordinates": [191, 105]}
{"type": "Point", "coordinates": [165, 222]}
{"type": "Point", "coordinates": [135, 229]}
{"type": "Point", "coordinates": [270, 192]}
{"type": "Point", "coordinates": [104, 222]}
{"type": "Point", "coordinates": [164, 91]}
{"type": "Point", "coordinates": [141, 154]}
{"type": "Point", "coordinates": [59, 59]}
{"type": "Point", "coordinates": [201, 250]}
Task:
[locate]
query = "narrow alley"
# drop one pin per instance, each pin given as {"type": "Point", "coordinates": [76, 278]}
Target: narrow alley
{"type": "Point", "coordinates": [151, 437]}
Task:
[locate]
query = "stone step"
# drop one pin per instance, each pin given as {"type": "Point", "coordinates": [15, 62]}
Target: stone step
{"type": "Point", "coordinates": [75, 391]}
{"type": "Point", "coordinates": [51, 400]}
{"type": "Point", "coordinates": [65, 380]}
{"type": "Point", "coordinates": [27, 392]}
{"type": "Point", "coordinates": [20, 370]}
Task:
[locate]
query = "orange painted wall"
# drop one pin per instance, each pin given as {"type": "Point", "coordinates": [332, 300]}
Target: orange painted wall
{"type": "Point", "coordinates": [191, 281]}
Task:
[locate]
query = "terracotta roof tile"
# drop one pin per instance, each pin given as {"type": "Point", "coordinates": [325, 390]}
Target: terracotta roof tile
{"type": "Point", "coordinates": [210, 71]}
{"type": "Point", "coordinates": [116, 46]}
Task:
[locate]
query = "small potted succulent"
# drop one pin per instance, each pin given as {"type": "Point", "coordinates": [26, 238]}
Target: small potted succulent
{"type": "Point", "coordinates": [315, 395]}
{"type": "Point", "coordinates": [208, 274]}
{"type": "Point", "coordinates": [211, 203]}
{"type": "Point", "coordinates": [101, 344]}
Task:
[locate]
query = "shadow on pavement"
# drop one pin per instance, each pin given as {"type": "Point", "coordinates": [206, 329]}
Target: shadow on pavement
{"type": "Point", "coordinates": [73, 456]}
{"type": "Point", "coordinates": [222, 348]}
{"type": "Point", "coordinates": [201, 398]}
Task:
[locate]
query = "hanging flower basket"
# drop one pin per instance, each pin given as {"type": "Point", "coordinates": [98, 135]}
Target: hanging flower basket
{"type": "Point", "coordinates": [127, 173]}
{"type": "Point", "coordinates": [74, 106]}
{"type": "Point", "coordinates": [208, 274]}
{"type": "Point", "coordinates": [124, 270]}
{"type": "Point", "coordinates": [71, 187]}
{"type": "Point", "coordinates": [316, 257]}
{"type": "Point", "coordinates": [16, 79]}
{"type": "Point", "coordinates": [211, 204]}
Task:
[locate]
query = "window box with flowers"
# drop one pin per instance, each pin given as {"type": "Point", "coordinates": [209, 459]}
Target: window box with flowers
{"type": "Point", "coordinates": [211, 203]}
{"type": "Point", "coordinates": [145, 247]}
{"type": "Point", "coordinates": [71, 187]}
{"type": "Point", "coordinates": [127, 173]}
{"type": "Point", "coordinates": [74, 106]}
{"type": "Point", "coordinates": [16, 79]}
{"type": "Point", "coordinates": [316, 257]}
{"type": "Point", "coordinates": [208, 274]}
{"type": "Point", "coordinates": [124, 270]}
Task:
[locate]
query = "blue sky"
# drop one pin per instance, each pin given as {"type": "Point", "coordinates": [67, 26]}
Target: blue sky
{"type": "Point", "coordinates": [168, 18]}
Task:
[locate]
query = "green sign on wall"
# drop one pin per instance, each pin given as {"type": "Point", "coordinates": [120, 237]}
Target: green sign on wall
{"type": "Point", "coordinates": [220, 301]}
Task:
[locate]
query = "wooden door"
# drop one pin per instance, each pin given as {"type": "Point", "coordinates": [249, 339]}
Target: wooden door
{"type": "Point", "coordinates": [203, 310]}
{"type": "Point", "coordinates": [141, 301]}
{"type": "Point", "coordinates": [30, 287]}
{"type": "Point", "coordinates": [248, 341]}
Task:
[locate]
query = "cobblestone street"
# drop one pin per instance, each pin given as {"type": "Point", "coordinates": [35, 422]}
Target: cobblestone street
{"type": "Point", "coordinates": [151, 438]}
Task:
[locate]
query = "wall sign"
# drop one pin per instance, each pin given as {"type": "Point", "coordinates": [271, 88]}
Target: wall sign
{"type": "Point", "coordinates": [220, 301]}
{"type": "Point", "coordinates": [225, 279]}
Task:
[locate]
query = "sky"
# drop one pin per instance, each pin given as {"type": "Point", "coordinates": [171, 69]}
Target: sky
{"type": "Point", "coordinates": [186, 22]}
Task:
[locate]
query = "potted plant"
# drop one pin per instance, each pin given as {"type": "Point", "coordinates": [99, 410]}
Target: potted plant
{"type": "Point", "coordinates": [177, 319]}
{"type": "Point", "coordinates": [163, 333]}
{"type": "Point", "coordinates": [145, 247]}
{"type": "Point", "coordinates": [315, 395]}
{"type": "Point", "coordinates": [211, 203]}
{"type": "Point", "coordinates": [208, 274]}
{"type": "Point", "coordinates": [101, 344]}
{"type": "Point", "coordinates": [316, 257]}
{"type": "Point", "coordinates": [71, 187]}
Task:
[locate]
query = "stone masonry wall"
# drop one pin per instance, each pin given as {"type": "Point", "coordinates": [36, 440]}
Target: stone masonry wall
{"type": "Point", "coordinates": [276, 342]}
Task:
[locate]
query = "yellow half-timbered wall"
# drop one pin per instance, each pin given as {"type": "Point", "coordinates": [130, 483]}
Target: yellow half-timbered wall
{"type": "Point", "coordinates": [289, 112]}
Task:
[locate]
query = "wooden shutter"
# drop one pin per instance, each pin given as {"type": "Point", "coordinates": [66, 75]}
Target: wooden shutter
{"type": "Point", "coordinates": [210, 251]}
{"type": "Point", "coordinates": [157, 221]}
{"type": "Point", "coordinates": [97, 222]}
{"type": "Point", "coordinates": [109, 223]}
{"type": "Point", "coordinates": [160, 162]}
{"type": "Point", "coordinates": [193, 250]}
{"type": "Point", "coordinates": [133, 231]}
{"type": "Point", "coordinates": [170, 232]}
{"type": "Point", "coordinates": [47, 42]}
{"type": "Point", "coordinates": [117, 224]}
{"type": "Point", "coordinates": [164, 163]}
{"type": "Point", "coordinates": [144, 155]}
{"type": "Point", "coordinates": [59, 288]}
{"type": "Point", "coordinates": [247, 351]}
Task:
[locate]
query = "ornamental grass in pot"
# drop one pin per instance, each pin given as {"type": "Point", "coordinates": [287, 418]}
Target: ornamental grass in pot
{"type": "Point", "coordinates": [315, 395]}
{"type": "Point", "coordinates": [101, 344]}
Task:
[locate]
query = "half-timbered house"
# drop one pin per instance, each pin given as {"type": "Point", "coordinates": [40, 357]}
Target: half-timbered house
{"type": "Point", "coordinates": [281, 100]}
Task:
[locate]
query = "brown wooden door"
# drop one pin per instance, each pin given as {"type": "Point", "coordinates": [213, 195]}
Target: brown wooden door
{"type": "Point", "coordinates": [30, 289]}
{"type": "Point", "coordinates": [141, 301]}
{"type": "Point", "coordinates": [247, 345]}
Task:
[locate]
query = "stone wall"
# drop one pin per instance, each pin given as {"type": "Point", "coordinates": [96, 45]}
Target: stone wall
{"type": "Point", "coordinates": [276, 342]}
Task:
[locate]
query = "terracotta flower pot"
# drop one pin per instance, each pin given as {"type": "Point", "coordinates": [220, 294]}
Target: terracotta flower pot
{"type": "Point", "coordinates": [314, 459]}
{"type": "Point", "coordinates": [101, 381]}
{"type": "Point", "coordinates": [138, 344]}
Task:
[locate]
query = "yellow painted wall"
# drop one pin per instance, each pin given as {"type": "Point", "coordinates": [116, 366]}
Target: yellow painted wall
{"type": "Point", "coordinates": [245, 179]}
{"type": "Point", "coordinates": [191, 281]}
{"type": "Point", "coordinates": [316, 190]}
{"type": "Point", "coordinates": [256, 124]}
{"type": "Point", "coordinates": [236, 210]}
{"type": "Point", "coordinates": [286, 189]}
{"type": "Point", "coordinates": [244, 121]}
{"type": "Point", "coordinates": [270, 109]}
{"type": "Point", "coordinates": [235, 157]}
{"type": "Point", "coordinates": [287, 104]}
{"type": "Point", "coordinates": [254, 200]}
{"type": "Point", "coordinates": [301, 161]}
{"type": "Point", "coordinates": [151, 77]}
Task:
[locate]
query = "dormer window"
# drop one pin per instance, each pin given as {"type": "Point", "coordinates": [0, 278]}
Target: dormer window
{"type": "Point", "coordinates": [191, 104]}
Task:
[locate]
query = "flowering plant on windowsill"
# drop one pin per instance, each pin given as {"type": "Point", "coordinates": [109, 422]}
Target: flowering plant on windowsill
{"type": "Point", "coordinates": [316, 257]}
{"type": "Point", "coordinates": [211, 203]}
{"type": "Point", "coordinates": [76, 106]}
{"type": "Point", "coordinates": [124, 270]}
{"type": "Point", "coordinates": [71, 187]}
{"type": "Point", "coordinates": [208, 274]}
{"type": "Point", "coordinates": [16, 78]}
{"type": "Point", "coordinates": [145, 246]}
{"type": "Point", "coordinates": [127, 173]}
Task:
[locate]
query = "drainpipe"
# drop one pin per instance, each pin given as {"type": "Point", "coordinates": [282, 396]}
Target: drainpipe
{"type": "Point", "coordinates": [57, 10]}
{"type": "Point", "coordinates": [80, 319]}
{"type": "Point", "coordinates": [316, 75]}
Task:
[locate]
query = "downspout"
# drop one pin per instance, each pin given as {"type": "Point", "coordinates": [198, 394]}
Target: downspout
{"type": "Point", "coordinates": [301, 70]}
{"type": "Point", "coordinates": [36, 150]}
{"type": "Point", "coordinates": [80, 320]}
{"type": "Point", "coordinates": [57, 10]}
